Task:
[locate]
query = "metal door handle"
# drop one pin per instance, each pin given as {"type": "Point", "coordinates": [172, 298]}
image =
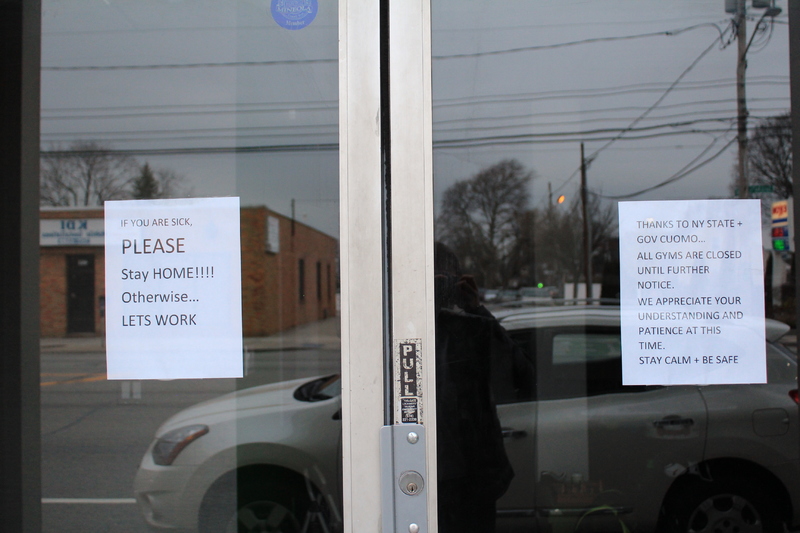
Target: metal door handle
{"type": "Point", "coordinates": [509, 433]}
{"type": "Point", "coordinates": [673, 422]}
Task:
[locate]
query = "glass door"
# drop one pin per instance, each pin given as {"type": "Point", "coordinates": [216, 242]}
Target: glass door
{"type": "Point", "coordinates": [335, 267]}
{"type": "Point", "coordinates": [605, 175]}
{"type": "Point", "coordinates": [192, 266]}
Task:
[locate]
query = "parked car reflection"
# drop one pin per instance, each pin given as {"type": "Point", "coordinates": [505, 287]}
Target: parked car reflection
{"type": "Point", "coordinates": [588, 453]}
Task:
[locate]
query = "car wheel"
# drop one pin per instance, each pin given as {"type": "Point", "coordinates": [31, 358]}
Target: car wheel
{"type": "Point", "coordinates": [721, 507]}
{"type": "Point", "coordinates": [263, 516]}
{"type": "Point", "coordinates": [254, 506]}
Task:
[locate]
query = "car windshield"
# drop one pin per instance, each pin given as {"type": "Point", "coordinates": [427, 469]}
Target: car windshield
{"type": "Point", "coordinates": [319, 389]}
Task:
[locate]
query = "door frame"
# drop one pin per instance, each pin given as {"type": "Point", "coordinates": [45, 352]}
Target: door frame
{"type": "Point", "coordinates": [386, 229]}
{"type": "Point", "coordinates": [361, 264]}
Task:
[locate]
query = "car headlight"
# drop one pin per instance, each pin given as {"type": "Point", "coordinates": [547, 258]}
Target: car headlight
{"type": "Point", "coordinates": [170, 444]}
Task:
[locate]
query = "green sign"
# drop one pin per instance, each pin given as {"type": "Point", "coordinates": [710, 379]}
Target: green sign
{"type": "Point", "coordinates": [781, 245]}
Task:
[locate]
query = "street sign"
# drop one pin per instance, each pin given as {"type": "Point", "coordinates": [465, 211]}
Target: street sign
{"type": "Point", "coordinates": [756, 189]}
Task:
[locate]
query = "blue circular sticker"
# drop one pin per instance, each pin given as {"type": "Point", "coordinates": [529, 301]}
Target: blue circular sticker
{"type": "Point", "coordinates": [294, 14]}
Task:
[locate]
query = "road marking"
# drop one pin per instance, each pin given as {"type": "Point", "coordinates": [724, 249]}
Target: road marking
{"type": "Point", "coordinates": [91, 501]}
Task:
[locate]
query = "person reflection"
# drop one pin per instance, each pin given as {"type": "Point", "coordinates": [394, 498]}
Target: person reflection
{"type": "Point", "coordinates": [475, 358]}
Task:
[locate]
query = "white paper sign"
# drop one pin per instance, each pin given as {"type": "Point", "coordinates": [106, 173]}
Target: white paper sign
{"type": "Point", "coordinates": [692, 292]}
{"type": "Point", "coordinates": [173, 289]}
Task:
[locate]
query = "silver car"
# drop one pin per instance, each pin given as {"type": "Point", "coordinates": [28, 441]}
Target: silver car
{"type": "Point", "coordinates": [588, 453]}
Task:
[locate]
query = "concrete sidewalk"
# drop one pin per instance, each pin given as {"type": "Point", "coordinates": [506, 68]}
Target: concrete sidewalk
{"type": "Point", "coordinates": [320, 334]}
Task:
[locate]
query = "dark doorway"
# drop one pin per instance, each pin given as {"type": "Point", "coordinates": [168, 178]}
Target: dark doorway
{"type": "Point", "coordinates": [80, 294]}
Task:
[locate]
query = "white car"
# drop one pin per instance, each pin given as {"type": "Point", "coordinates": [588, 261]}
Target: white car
{"type": "Point", "coordinates": [271, 452]}
{"type": "Point", "coordinates": [588, 454]}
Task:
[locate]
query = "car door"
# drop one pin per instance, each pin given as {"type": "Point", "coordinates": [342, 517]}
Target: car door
{"type": "Point", "coordinates": [606, 454]}
{"type": "Point", "coordinates": [756, 425]}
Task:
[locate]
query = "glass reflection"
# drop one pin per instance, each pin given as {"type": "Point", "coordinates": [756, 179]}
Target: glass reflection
{"type": "Point", "coordinates": [545, 116]}
{"type": "Point", "coordinates": [149, 100]}
{"type": "Point", "coordinates": [478, 365]}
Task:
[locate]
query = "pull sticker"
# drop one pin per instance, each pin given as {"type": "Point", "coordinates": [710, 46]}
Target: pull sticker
{"type": "Point", "coordinates": [408, 381]}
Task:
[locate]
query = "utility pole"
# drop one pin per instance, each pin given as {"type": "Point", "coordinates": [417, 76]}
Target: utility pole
{"type": "Point", "coordinates": [739, 9]}
{"type": "Point", "coordinates": [741, 97]}
{"type": "Point", "coordinates": [587, 254]}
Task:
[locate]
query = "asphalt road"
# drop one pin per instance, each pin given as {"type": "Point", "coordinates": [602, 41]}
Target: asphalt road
{"type": "Point", "coordinates": [95, 431]}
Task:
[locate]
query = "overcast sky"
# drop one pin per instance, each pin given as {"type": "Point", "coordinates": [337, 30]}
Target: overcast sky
{"type": "Point", "coordinates": [552, 91]}
{"type": "Point", "coordinates": [531, 80]}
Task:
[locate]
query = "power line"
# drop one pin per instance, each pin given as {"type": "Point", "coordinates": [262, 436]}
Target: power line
{"type": "Point", "coordinates": [668, 33]}
{"type": "Point", "coordinates": [333, 108]}
{"type": "Point", "coordinates": [216, 137]}
{"type": "Point", "coordinates": [649, 109]}
{"type": "Point", "coordinates": [663, 96]}
{"type": "Point", "coordinates": [320, 147]}
{"type": "Point", "coordinates": [173, 29]}
{"type": "Point", "coordinates": [190, 65]}
{"type": "Point", "coordinates": [675, 177]}
{"type": "Point", "coordinates": [569, 95]}
{"type": "Point", "coordinates": [187, 113]}
{"type": "Point", "coordinates": [582, 112]}
{"type": "Point", "coordinates": [310, 130]}
{"type": "Point", "coordinates": [582, 133]}
{"type": "Point", "coordinates": [267, 27]}
{"type": "Point", "coordinates": [333, 104]}
{"type": "Point", "coordinates": [524, 140]}
{"type": "Point", "coordinates": [437, 145]}
{"type": "Point", "coordinates": [331, 128]}
{"type": "Point", "coordinates": [586, 133]}
{"type": "Point", "coordinates": [286, 105]}
{"type": "Point", "coordinates": [571, 24]}
{"type": "Point", "coordinates": [611, 141]}
{"type": "Point", "coordinates": [726, 112]}
{"type": "Point", "coordinates": [159, 114]}
{"type": "Point", "coordinates": [281, 131]}
{"type": "Point", "coordinates": [327, 147]}
{"type": "Point", "coordinates": [638, 88]}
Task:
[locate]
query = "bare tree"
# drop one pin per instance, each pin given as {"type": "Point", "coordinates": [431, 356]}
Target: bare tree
{"type": "Point", "coordinates": [488, 224]}
{"type": "Point", "coordinates": [769, 154]}
{"type": "Point", "coordinates": [89, 173]}
{"type": "Point", "coordinates": [85, 174]}
{"type": "Point", "coordinates": [481, 220]}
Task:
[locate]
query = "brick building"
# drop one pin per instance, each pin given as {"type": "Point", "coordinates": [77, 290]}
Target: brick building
{"type": "Point", "coordinates": [289, 272]}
